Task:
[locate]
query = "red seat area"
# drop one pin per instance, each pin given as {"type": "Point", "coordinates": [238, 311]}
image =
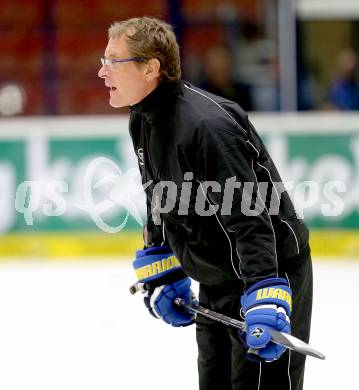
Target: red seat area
{"type": "Point", "coordinates": [79, 53]}
{"type": "Point", "coordinates": [62, 53]}
{"type": "Point", "coordinates": [92, 14]}
{"type": "Point", "coordinates": [20, 15]}
{"type": "Point", "coordinates": [21, 55]}
{"type": "Point", "coordinates": [84, 97]}
{"type": "Point", "coordinates": [197, 39]}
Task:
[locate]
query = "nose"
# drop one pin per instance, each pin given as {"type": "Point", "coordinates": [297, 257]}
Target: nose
{"type": "Point", "coordinates": [102, 73]}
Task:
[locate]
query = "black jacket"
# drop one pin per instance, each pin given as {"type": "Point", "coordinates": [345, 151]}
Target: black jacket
{"type": "Point", "coordinates": [179, 129]}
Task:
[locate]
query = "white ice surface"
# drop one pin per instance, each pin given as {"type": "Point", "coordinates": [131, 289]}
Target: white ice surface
{"type": "Point", "coordinates": [74, 326]}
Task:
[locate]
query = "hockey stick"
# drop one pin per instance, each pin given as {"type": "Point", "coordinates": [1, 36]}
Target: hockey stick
{"type": "Point", "coordinates": [138, 287]}
{"type": "Point", "coordinates": [280, 338]}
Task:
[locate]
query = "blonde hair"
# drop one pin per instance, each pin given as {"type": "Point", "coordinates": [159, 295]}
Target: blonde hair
{"type": "Point", "coordinates": [148, 38]}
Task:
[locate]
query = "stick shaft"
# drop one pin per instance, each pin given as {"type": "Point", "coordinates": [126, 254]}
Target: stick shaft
{"type": "Point", "coordinates": [280, 338]}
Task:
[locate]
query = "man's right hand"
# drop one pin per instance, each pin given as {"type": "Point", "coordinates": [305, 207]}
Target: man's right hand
{"type": "Point", "coordinates": [160, 271]}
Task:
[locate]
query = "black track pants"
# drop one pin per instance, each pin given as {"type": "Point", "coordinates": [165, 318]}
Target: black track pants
{"type": "Point", "coordinates": [221, 358]}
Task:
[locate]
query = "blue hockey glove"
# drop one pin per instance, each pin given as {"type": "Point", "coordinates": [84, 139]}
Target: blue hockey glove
{"type": "Point", "coordinates": [266, 305]}
{"type": "Point", "coordinates": [160, 301]}
{"type": "Point", "coordinates": [161, 273]}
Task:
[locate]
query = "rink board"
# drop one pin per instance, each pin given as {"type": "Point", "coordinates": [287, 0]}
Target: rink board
{"type": "Point", "coordinates": [63, 161]}
{"type": "Point", "coordinates": [324, 243]}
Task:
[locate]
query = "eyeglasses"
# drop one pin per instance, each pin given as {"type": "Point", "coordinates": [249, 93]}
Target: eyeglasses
{"type": "Point", "coordinates": [112, 61]}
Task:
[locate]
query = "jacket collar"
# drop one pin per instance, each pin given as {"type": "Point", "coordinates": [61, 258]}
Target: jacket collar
{"type": "Point", "coordinates": [160, 97]}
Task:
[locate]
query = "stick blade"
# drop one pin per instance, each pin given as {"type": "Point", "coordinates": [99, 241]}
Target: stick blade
{"type": "Point", "coordinates": [295, 344]}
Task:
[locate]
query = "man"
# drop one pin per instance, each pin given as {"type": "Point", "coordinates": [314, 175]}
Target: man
{"type": "Point", "coordinates": [217, 213]}
{"type": "Point", "coordinates": [344, 89]}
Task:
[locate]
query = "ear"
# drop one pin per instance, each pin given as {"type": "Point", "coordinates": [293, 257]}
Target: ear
{"type": "Point", "coordinates": [152, 69]}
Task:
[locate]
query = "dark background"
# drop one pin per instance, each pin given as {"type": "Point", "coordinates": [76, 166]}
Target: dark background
{"type": "Point", "coordinates": [50, 50]}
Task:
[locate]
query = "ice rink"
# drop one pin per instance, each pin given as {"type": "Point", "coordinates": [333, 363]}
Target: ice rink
{"type": "Point", "coordinates": [74, 326]}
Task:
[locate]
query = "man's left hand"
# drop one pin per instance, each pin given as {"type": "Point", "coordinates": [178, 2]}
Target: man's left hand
{"type": "Point", "coordinates": [267, 305]}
